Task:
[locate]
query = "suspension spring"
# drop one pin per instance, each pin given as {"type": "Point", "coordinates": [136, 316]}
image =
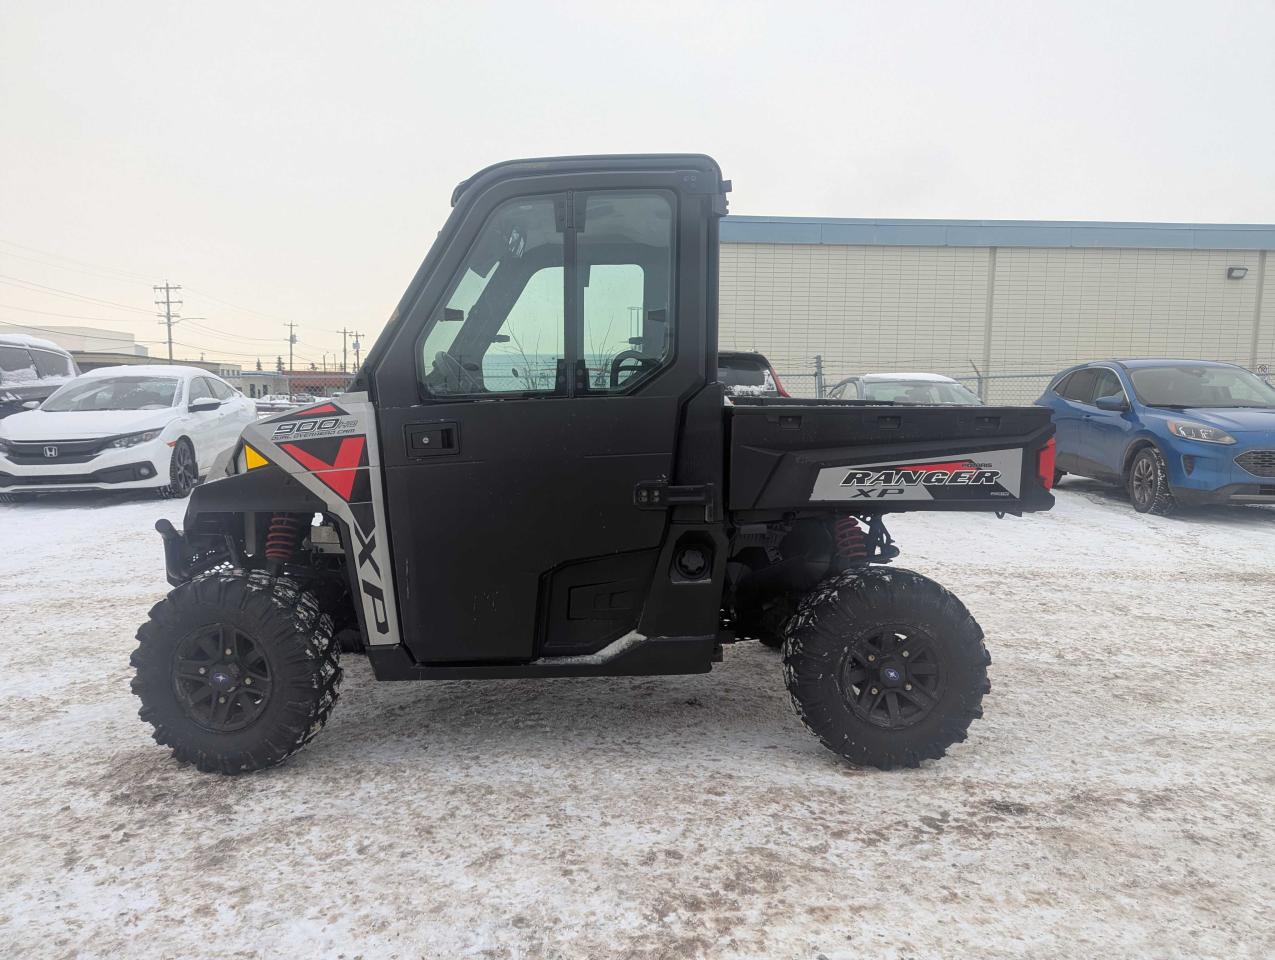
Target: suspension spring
{"type": "Point", "coordinates": [851, 544]}
{"type": "Point", "coordinates": [282, 537]}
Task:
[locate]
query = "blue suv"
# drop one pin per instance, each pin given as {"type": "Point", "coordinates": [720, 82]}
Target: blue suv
{"type": "Point", "coordinates": [1170, 431]}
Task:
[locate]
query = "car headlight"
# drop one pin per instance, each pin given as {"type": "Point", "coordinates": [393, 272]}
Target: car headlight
{"type": "Point", "coordinates": [133, 439]}
{"type": "Point", "coordinates": [1199, 431]}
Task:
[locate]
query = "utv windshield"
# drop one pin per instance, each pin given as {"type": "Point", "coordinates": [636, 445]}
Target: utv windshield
{"type": "Point", "coordinates": [114, 393]}
{"type": "Point", "coordinates": [918, 391]}
{"type": "Point", "coordinates": [1201, 386]}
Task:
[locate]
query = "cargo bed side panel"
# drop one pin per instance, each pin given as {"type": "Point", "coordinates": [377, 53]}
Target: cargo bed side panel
{"type": "Point", "coordinates": [867, 459]}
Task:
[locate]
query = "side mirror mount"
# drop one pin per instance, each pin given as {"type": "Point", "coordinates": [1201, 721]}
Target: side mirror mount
{"type": "Point", "coordinates": [1114, 403]}
{"type": "Point", "coordinates": [204, 404]}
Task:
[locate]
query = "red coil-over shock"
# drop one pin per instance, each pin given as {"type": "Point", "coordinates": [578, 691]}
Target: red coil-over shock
{"type": "Point", "coordinates": [282, 537]}
{"type": "Point", "coordinates": [851, 544]}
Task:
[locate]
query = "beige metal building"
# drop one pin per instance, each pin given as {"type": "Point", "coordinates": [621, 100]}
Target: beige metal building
{"type": "Point", "coordinates": [1001, 305]}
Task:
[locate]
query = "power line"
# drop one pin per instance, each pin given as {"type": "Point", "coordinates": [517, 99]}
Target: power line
{"type": "Point", "coordinates": [69, 316]}
{"type": "Point", "coordinates": [30, 285]}
{"type": "Point", "coordinates": [124, 274]}
{"type": "Point", "coordinates": [55, 330]}
{"type": "Point", "coordinates": [61, 266]}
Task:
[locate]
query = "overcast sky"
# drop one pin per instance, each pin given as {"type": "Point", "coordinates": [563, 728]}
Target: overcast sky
{"type": "Point", "coordinates": [295, 159]}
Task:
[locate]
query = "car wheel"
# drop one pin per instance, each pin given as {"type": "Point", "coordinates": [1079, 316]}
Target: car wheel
{"type": "Point", "coordinates": [183, 472]}
{"type": "Point", "coordinates": [1148, 483]}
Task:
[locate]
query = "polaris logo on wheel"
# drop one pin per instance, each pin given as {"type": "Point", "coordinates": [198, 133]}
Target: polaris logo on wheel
{"type": "Point", "coordinates": [989, 475]}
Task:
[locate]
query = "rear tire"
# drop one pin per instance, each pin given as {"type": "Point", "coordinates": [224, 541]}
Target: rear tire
{"type": "Point", "coordinates": [885, 667]}
{"type": "Point", "coordinates": [236, 672]}
{"type": "Point", "coordinates": [1148, 483]}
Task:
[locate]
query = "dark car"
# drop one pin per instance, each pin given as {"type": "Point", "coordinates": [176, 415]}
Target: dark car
{"type": "Point", "coordinates": [30, 370]}
{"type": "Point", "coordinates": [1170, 431]}
{"type": "Point", "coordinates": [748, 375]}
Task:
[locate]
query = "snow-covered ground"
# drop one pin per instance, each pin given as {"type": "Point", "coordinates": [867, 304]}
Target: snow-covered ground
{"type": "Point", "coordinates": [1115, 801]}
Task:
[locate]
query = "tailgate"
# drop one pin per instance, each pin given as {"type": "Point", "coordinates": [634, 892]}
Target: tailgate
{"type": "Point", "coordinates": [883, 458]}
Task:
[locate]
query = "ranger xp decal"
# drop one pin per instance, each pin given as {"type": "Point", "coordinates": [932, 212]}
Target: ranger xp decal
{"type": "Point", "coordinates": [991, 475]}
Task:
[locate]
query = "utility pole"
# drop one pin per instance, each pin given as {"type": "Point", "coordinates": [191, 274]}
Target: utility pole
{"type": "Point", "coordinates": [344, 333]}
{"type": "Point", "coordinates": [819, 376]}
{"type": "Point", "coordinates": [167, 317]}
{"type": "Point", "coordinates": [292, 339]}
{"type": "Point", "coordinates": [355, 345]}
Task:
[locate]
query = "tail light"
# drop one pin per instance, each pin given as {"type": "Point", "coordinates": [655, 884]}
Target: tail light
{"type": "Point", "coordinates": [779, 384]}
{"type": "Point", "coordinates": [1045, 464]}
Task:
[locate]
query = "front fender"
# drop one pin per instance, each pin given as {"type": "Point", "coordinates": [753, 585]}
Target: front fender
{"type": "Point", "coordinates": [266, 489]}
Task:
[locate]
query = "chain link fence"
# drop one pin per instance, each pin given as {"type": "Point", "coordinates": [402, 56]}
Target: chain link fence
{"type": "Point", "coordinates": [1019, 388]}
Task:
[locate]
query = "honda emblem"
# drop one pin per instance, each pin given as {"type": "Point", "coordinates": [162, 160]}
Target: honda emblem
{"type": "Point", "coordinates": [50, 451]}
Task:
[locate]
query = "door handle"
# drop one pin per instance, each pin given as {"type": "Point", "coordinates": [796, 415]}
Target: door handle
{"type": "Point", "coordinates": [437, 439]}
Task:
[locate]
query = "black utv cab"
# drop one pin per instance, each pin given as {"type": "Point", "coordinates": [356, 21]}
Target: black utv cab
{"type": "Point", "coordinates": [537, 474]}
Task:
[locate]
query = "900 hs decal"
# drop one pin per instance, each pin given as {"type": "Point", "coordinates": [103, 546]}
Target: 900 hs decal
{"type": "Point", "coordinates": [991, 475]}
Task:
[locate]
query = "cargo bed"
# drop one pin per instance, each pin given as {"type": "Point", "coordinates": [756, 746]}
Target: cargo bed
{"type": "Point", "coordinates": [790, 454]}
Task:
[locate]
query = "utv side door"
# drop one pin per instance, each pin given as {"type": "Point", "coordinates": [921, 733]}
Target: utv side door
{"type": "Point", "coordinates": [537, 373]}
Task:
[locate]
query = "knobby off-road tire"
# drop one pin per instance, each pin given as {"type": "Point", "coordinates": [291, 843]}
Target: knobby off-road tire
{"type": "Point", "coordinates": [249, 708]}
{"type": "Point", "coordinates": [1148, 483]}
{"type": "Point", "coordinates": [885, 667]}
{"type": "Point", "coordinates": [183, 472]}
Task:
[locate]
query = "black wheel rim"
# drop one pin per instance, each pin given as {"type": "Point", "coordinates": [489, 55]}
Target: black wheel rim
{"type": "Point", "coordinates": [222, 678]}
{"type": "Point", "coordinates": [892, 677]}
{"type": "Point", "coordinates": [184, 474]}
{"type": "Point", "coordinates": [1143, 481]}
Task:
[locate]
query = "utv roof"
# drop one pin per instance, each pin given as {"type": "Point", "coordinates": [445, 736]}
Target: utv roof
{"type": "Point", "coordinates": [600, 161]}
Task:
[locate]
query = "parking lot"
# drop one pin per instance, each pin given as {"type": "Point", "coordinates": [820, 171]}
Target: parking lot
{"type": "Point", "coordinates": [1115, 799]}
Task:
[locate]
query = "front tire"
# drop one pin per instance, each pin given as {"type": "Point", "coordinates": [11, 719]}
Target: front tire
{"type": "Point", "coordinates": [1148, 483]}
{"type": "Point", "coordinates": [885, 667]}
{"type": "Point", "coordinates": [183, 472]}
{"type": "Point", "coordinates": [236, 672]}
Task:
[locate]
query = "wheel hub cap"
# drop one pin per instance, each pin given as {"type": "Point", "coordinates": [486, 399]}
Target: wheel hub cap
{"type": "Point", "coordinates": [221, 678]}
{"type": "Point", "coordinates": [892, 676]}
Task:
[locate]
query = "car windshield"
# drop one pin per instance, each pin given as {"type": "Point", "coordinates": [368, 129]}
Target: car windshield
{"type": "Point", "coordinates": [1201, 386]}
{"type": "Point", "coordinates": [917, 391]}
{"type": "Point", "coordinates": [114, 393]}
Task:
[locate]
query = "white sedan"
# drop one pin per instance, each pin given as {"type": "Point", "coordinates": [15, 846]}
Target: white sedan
{"type": "Point", "coordinates": [123, 428]}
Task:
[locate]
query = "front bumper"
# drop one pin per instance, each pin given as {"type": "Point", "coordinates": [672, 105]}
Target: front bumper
{"type": "Point", "coordinates": [1237, 493]}
{"type": "Point", "coordinates": [1208, 473]}
{"type": "Point", "coordinates": [142, 466]}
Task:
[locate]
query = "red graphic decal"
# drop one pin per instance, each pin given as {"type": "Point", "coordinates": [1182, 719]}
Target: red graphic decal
{"type": "Point", "coordinates": [950, 467]}
{"type": "Point", "coordinates": [325, 408]}
{"type": "Point", "coordinates": [340, 474]}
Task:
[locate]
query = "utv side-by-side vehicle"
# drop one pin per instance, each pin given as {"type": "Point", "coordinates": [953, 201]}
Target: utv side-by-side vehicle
{"type": "Point", "coordinates": [536, 474]}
